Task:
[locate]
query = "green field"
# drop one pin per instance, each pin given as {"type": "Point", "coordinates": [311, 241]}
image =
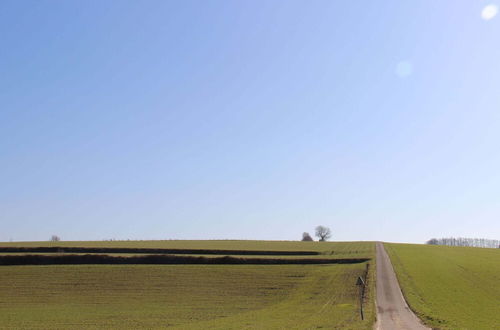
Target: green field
{"type": "Point", "coordinates": [335, 249]}
{"type": "Point", "coordinates": [450, 287]}
{"type": "Point", "coordinates": [189, 296]}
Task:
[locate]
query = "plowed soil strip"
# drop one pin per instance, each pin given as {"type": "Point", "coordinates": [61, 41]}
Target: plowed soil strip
{"type": "Point", "coordinates": [56, 249]}
{"type": "Point", "coordinates": [160, 259]}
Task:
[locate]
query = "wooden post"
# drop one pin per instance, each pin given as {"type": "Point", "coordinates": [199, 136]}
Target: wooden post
{"type": "Point", "coordinates": [361, 285]}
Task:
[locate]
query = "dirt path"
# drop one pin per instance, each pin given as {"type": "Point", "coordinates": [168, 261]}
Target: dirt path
{"type": "Point", "coordinates": [392, 311]}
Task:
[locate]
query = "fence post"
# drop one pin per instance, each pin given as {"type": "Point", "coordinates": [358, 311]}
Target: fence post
{"type": "Point", "coordinates": [361, 285]}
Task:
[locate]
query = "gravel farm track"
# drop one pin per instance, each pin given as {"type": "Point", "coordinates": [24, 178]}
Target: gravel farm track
{"type": "Point", "coordinates": [393, 312]}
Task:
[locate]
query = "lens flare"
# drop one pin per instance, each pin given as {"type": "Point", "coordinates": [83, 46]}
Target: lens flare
{"type": "Point", "coordinates": [489, 12]}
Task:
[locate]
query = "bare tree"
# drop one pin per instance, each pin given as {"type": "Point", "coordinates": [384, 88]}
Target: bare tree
{"type": "Point", "coordinates": [55, 238]}
{"type": "Point", "coordinates": [306, 237]}
{"type": "Point", "coordinates": [323, 233]}
{"type": "Point", "coordinates": [432, 241]}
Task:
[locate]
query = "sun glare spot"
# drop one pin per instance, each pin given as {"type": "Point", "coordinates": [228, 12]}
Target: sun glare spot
{"type": "Point", "coordinates": [489, 12]}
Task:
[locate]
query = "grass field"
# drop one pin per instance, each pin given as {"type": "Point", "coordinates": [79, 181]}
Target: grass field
{"type": "Point", "coordinates": [335, 249]}
{"type": "Point", "coordinates": [450, 287]}
{"type": "Point", "coordinates": [189, 296]}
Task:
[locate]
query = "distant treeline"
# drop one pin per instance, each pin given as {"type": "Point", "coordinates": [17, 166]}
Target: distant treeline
{"type": "Point", "coordinates": [461, 241]}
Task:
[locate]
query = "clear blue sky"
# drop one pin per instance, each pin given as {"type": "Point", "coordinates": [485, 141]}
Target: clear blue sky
{"type": "Point", "coordinates": [249, 119]}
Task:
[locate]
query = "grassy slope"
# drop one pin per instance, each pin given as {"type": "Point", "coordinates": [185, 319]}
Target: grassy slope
{"type": "Point", "coordinates": [450, 287]}
{"type": "Point", "coordinates": [187, 296]}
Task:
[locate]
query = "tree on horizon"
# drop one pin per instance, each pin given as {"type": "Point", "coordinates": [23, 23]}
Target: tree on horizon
{"type": "Point", "coordinates": [323, 233]}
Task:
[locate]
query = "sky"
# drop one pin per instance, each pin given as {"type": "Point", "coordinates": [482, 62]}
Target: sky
{"type": "Point", "coordinates": [259, 119]}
